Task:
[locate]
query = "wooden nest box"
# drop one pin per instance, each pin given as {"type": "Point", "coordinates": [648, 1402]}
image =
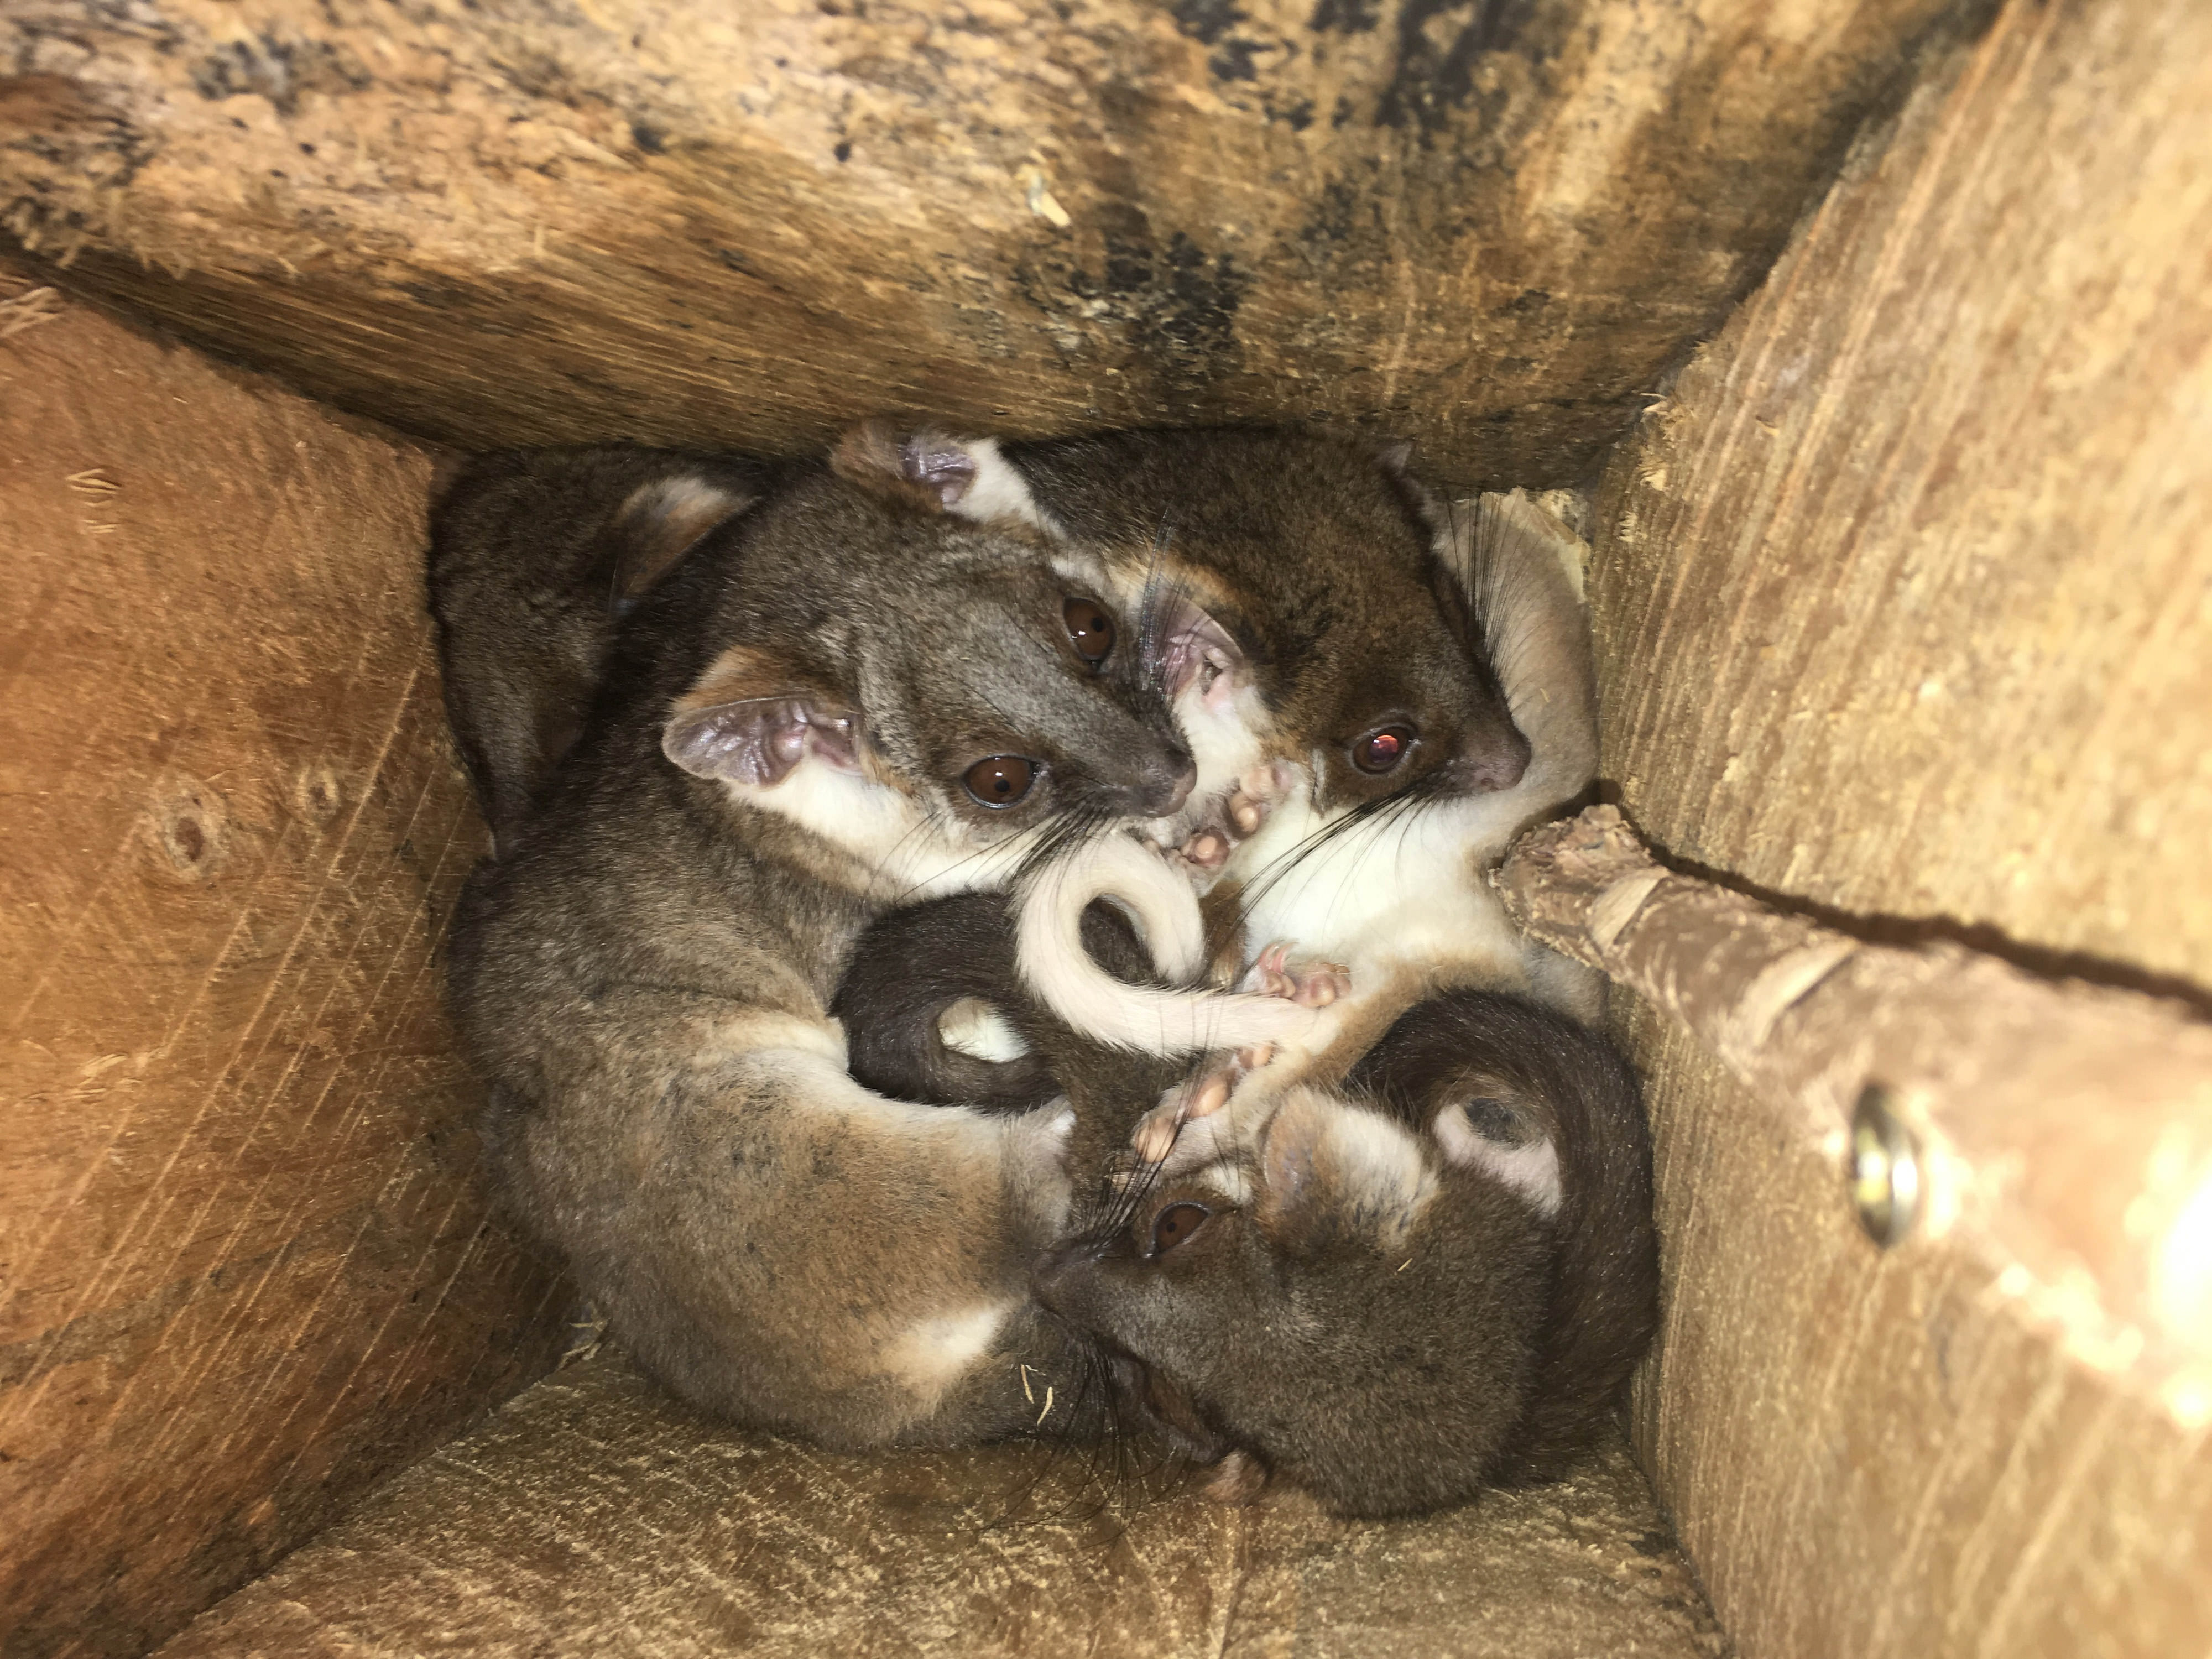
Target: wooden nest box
{"type": "Point", "coordinates": [1869, 345]}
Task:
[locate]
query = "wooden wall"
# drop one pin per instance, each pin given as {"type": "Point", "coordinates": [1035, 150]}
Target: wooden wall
{"type": "Point", "coordinates": [244, 1264]}
{"type": "Point", "coordinates": [1904, 605]}
{"type": "Point", "coordinates": [1487, 224]}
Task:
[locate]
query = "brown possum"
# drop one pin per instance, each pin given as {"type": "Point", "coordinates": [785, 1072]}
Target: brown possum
{"type": "Point", "coordinates": [1435, 1276]}
{"type": "Point", "coordinates": [879, 683]}
{"type": "Point", "coordinates": [1385, 899]}
{"type": "Point", "coordinates": [535, 556]}
{"type": "Point", "coordinates": [1312, 619]}
{"type": "Point", "coordinates": [1315, 637]}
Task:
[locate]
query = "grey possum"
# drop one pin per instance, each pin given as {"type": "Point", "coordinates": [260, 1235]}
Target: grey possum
{"type": "Point", "coordinates": [879, 682]}
{"type": "Point", "coordinates": [535, 556]}
{"type": "Point", "coordinates": [1385, 895]}
{"type": "Point", "coordinates": [1435, 1276]}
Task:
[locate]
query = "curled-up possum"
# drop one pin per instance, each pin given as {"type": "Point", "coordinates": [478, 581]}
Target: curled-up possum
{"type": "Point", "coordinates": [1435, 1277]}
{"type": "Point", "coordinates": [535, 556]}
{"type": "Point", "coordinates": [1384, 899]}
{"type": "Point", "coordinates": [1312, 634]}
{"type": "Point", "coordinates": [881, 682]}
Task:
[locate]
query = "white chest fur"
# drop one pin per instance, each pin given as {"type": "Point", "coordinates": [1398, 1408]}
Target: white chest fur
{"type": "Point", "coordinates": [906, 852]}
{"type": "Point", "coordinates": [1395, 892]}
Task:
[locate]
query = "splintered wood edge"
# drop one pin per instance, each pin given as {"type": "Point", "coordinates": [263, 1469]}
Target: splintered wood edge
{"type": "Point", "coordinates": [2063, 1132]}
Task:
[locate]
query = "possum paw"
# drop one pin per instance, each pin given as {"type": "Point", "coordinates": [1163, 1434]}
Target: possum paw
{"type": "Point", "coordinates": [1181, 1122]}
{"type": "Point", "coordinates": [1255, 797]}
{"type": "Point", "coordinates": [1232, 818]}
{"type": "Point", "coordinates": [1310, 984]}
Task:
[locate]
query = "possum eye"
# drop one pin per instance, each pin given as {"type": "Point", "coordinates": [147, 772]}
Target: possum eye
{"type": "Point", "coordinates": [1382, 748]}
{"type": "Point", "coordinates": [1176, 1223]}
{"type": "Point", "coordinates": [1001, 779]}
{"type": "Point", "coordinates": [1089, 629]}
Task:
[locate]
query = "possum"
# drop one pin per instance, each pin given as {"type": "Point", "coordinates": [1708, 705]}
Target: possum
{"type": "Point", "coordinates": [1314, 637]}
{"type": "Point", "coordinates": [880, 681]}
{"type": "Point", "coordinates": [1357, 907]}
{"type": "Point", "coordinates": [535, 556]}
{"type": "Point", "coordinates": [1433, 1277]}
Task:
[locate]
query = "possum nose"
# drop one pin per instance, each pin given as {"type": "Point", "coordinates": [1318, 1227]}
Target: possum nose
{"type": "Point", "coordinates": [1491, 762]}
{"type": "Point", "coordinates": [1162, 783]}
{"type": "Point", "coordinates": [1053, 1275]}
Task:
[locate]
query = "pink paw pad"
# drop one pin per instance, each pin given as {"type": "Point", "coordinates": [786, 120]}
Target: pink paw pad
{"type": "Point", "coordinates": [1308, 984]}
{"type": "Point", "coordinates": [1154, 1136]}
{"type": "Point", "coordinates": [1255, 797]}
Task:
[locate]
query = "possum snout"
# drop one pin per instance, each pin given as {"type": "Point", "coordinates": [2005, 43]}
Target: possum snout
{"type": "Point", "coordinates": [1061, 1278]}
{"type": "Point", "coordinates": [1158, 784]}
{"type": "Point", "coordinates": [1492, 759]}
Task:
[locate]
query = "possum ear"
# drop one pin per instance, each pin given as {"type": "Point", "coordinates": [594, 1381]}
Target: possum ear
{"type": "Point", "coordinates": [1294, 1170]}
{"type": "Point", "coordinates": [1492, 1128]}
{"type": "Point", "coordinates": [1328, 1168]}
{"type": "Point", "coordinates": [662, 522]}
{"type": "Point", "coordinates": [1187, 645]}
{"type": "Point", "coordinates": [732, 726]}
{"type": "Point", "coordinates": [927, 467]}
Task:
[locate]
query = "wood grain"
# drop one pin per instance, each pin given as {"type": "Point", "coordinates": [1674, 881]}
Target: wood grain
{"type": "Point", "coordinates": [1904, 592]}
{"type": "Point", "coordinates": [1488, 227]}
{"type": "Point", "coordinates": [248, 1265]}
{"type": "Point", "coordinates": [595, 1517]}
{"type": "Point", "coordinates": [1902, 601]}
{"type": "Point", "coordinates": [2059, 1134]}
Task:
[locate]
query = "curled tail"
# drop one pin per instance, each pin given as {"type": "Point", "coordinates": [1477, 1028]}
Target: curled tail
{"type": "Point", "coordinates": [1064, 977]}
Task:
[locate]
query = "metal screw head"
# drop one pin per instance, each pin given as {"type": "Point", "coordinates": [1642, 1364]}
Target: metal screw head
{"type": "Point", "coordinates": [1885, 1168]}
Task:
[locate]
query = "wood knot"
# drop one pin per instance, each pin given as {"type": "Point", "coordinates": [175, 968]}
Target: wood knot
{"type": "Point", "coordinates": [189, 825]}
{"type": "Point", "coordinates": [317, 794]}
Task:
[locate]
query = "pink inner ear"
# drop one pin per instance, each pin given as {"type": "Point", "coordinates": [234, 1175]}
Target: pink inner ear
{"type": "Point", "coordinates": [1195, 648]}
{"type": "Point", "coordinates": [939, 463]}
{"type": "Point", "coordinates": [759, 740]}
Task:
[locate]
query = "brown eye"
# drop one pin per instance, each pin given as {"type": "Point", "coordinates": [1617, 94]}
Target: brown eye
{"type": "Point", "coordinates": [1001, 781]}
{"type": "Point", "coordinates": [1381, 749]}
{"type": "Point", "coordinates": [1176, 1223]}
{"type": "Point", "coordinates": [1089, 629]}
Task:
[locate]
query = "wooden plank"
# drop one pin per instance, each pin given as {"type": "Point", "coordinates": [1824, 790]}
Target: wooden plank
{"type": "Point", "coordinates": [247, 1264]}
{"type": "Point", "coordinates": [2060, 1132]}
{"type": "Point", "coordinates": [1485, 226]}
{"type": "Point", "coordinates": [1902, 601]}
{"type": "Point", "coordinates": [595, 1515]}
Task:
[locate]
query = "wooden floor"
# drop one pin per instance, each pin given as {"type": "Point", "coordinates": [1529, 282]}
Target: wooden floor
{"type": "Point", "coordinates": [593, 1515]}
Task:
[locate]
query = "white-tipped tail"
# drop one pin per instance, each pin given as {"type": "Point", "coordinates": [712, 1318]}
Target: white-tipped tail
{"type": "Point", "coordinates": [1064, 977]}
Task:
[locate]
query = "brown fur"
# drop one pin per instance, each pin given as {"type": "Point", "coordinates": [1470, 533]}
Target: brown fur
{"type": "Point", "coordinates": [1392, 1335]}
{"type": "Point", "coordinates": [1318, 559]}
{"type": "Point", "coordinates": [534, 555]}
{"type": "Point", "coordinates": [644, 974]}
